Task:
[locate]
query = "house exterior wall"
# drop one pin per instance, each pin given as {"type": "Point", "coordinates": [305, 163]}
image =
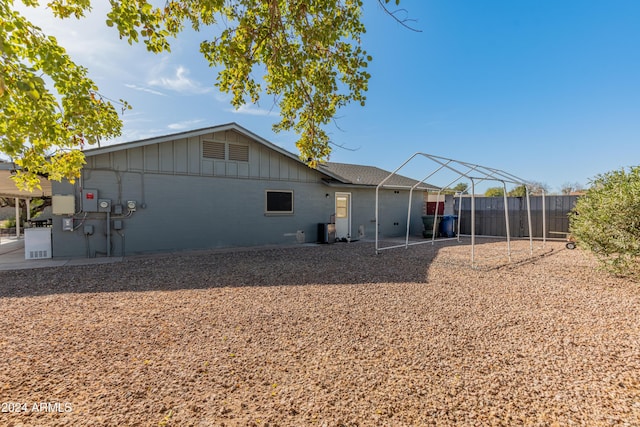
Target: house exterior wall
{"type": "Point", "coordinates": [184, 212]}
{"type": "Point", "coordinates": [187, 201]}
{"type": "Point", "coordinates": [392, 214]}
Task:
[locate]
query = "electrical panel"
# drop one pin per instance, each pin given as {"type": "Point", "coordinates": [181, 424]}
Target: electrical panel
{"type": "Point", "coordinates": [37, 243]}
{"type": "Point", "coordinates": [67, 224]}
{"type": "Point", "coordinates": [117, 209]}
{"type": "Point", "coordinates": [104, 205]}
{"type": "Point", "coordinates": [90, 200]}
{"type": "Point", "coordinates": [88, 230]}
{"type": "Point", "coordinates": [63, 204]}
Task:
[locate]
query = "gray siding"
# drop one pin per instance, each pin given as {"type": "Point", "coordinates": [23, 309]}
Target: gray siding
{"type": "Point", "coordinates": [392, 213]}
{"type": "Point", "coordinates": [184, 157]}
{"type": "Point", "coordinates": [186, 201]}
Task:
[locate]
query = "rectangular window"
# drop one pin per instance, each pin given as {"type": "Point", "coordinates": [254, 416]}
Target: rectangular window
{"type": "Point", "coordinates": [342, 206]}
{"type": "Point", "coordinates": [279, 202]}
{"type": "Point", "coordinates": [213, 150]}
{"type": "Point", "coordinates": [238, 152]}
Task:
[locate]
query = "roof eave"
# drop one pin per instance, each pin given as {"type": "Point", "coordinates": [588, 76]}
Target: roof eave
{"type": "Point", "coordinates": [387, 187]}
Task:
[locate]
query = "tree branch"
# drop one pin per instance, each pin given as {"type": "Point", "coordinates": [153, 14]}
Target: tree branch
{"type": "Point", "coordinates": [404, 22]}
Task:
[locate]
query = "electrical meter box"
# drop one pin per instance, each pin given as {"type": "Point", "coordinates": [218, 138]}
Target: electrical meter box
{"type": "Point", "coordinates": [67, 224]}
{"type": "Point", "coordinates": [104, 205]}
{"type": "Point", "coordinates": [63, 204]}
{"type": "Point", "coordinates": [90, 200]}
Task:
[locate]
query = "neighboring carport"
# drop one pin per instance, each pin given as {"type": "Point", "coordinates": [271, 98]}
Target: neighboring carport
{"type": "Point", "coordinates": [9, 190]}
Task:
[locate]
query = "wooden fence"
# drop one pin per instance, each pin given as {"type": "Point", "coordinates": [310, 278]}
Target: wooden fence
{"type": "Point", "coordinates": [490, 217]}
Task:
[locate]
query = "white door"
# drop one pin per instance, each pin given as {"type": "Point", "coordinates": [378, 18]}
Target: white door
{"type": "Point", "coordinates": [343, 215]}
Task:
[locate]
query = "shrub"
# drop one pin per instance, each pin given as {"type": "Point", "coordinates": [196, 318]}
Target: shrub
{"type": "Point", "coordinates": [10, 222]}
{"type": "Point", "coordinates": [494, 192]}
{"type": "Point", "coordinates": [606, 221]}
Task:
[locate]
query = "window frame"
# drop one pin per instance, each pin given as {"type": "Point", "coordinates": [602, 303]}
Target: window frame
{"type": "Point", "coordinates": [278, 212]}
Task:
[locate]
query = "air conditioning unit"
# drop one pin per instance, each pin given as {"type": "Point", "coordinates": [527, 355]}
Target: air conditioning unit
{"type": "Point", "coordinates": [37, 243]}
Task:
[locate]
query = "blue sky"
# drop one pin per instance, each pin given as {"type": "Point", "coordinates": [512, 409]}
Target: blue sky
{"type": "Point", "coordinates": [546, 90]}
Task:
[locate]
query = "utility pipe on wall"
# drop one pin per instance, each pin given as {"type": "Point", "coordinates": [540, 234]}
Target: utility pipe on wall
{"type": "Point", "coordinates": [108, 234]}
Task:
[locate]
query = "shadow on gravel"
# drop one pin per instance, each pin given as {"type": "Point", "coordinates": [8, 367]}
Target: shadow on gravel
{"type": "Point", "coordinates": [340, 263]}
{"type": "Point", "coordinates": [337, 264]}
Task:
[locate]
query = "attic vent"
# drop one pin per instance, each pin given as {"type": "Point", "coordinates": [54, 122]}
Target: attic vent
{"type": "Point", "coordinates": [239, 153]}
{"type": "Point", "coordinates": [213, 150]}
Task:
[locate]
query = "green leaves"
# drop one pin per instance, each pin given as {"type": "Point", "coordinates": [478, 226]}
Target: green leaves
{"type": "Point", "coordinates": [606, 221]}
{"type": "Point", "coordinates": [307, 55]}
{"type": "Point", "coordinates": [48, 105]}
{"type": "Point", "coordinates": [304, 54]}
{"type": "Point", "coordinates": [312, 61]}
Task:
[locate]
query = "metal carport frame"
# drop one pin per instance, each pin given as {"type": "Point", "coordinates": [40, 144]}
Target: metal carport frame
{"type": "Point", "coordinates": [475, 174]}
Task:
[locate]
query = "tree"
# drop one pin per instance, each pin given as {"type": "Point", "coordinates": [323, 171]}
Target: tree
{"type": "Point", "coordinates": [310, 52]}
{"type": "Point", "coordinates": [519, 191]}
{"type": "Point", "coordinates": [535, 189]}
{"type": "Point", "coordinates": [494, 192]}
{"type": "Point", "coordinates": [41, 129]}
{"type": "Point", "coordinates": [571, 188]}
{"type": "Point", "coordinates": [36, 206]}
{"type": "Point", "coordinates": [461, 187]}
{"type": "Point", "coordinates": [606, 221]}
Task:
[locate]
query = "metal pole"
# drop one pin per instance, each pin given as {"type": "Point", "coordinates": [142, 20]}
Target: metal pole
{"type": "Point", "coordinates": [473, 222]}
{"type": "Point", "coordinates": [544, 220]}
{"type": "Point", "coordinates": [435, 218]}
{"type": "Point", "coordinates": [529, 220]}
{"type": "Point", "coordinates": [459, 213]}
{"type": "Point", "coordinates": [408, 218]}
{"type": "Point", "coordinates": [17, 218]}
{"type": "Point", "coordinates": [377, 229]}
{"type": "Point", "coordinates": [506, 218]}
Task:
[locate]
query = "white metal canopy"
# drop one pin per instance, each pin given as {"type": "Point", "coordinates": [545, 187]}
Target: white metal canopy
{"type": "Point", "coordinates": [461, 170]}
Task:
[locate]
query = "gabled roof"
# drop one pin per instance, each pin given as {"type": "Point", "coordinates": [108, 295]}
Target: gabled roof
{"type": "Point", "coordinates": [336, 173]}
{"type": "Point", "coordinates": [189, 134]}
{"type": "Point", "coordinates": [368, 176]}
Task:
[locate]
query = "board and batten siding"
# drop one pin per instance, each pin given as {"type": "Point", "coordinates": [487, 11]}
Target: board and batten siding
{"type": "Point", "coordinates": [191, 156]}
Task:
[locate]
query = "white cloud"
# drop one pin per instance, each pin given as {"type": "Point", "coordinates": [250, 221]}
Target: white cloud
{"type": "Point", "coordinates": [254, 110]}
{"type": "Point", "coordinates": [144, 89]}
{"type": "Point", "coordinates": [88, 41]}
{"type": "Point", "coordinates": [185, 124]}
{"type": "Point", "coordinates": [178, 82]}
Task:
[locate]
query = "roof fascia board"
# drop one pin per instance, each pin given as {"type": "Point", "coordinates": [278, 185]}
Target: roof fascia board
{"type": "Point", "coordinates": [388, 187]}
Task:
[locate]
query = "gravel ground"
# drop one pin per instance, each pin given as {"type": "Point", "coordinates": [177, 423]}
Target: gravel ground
{"type": "Point", "coordinates": [331, 335]}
